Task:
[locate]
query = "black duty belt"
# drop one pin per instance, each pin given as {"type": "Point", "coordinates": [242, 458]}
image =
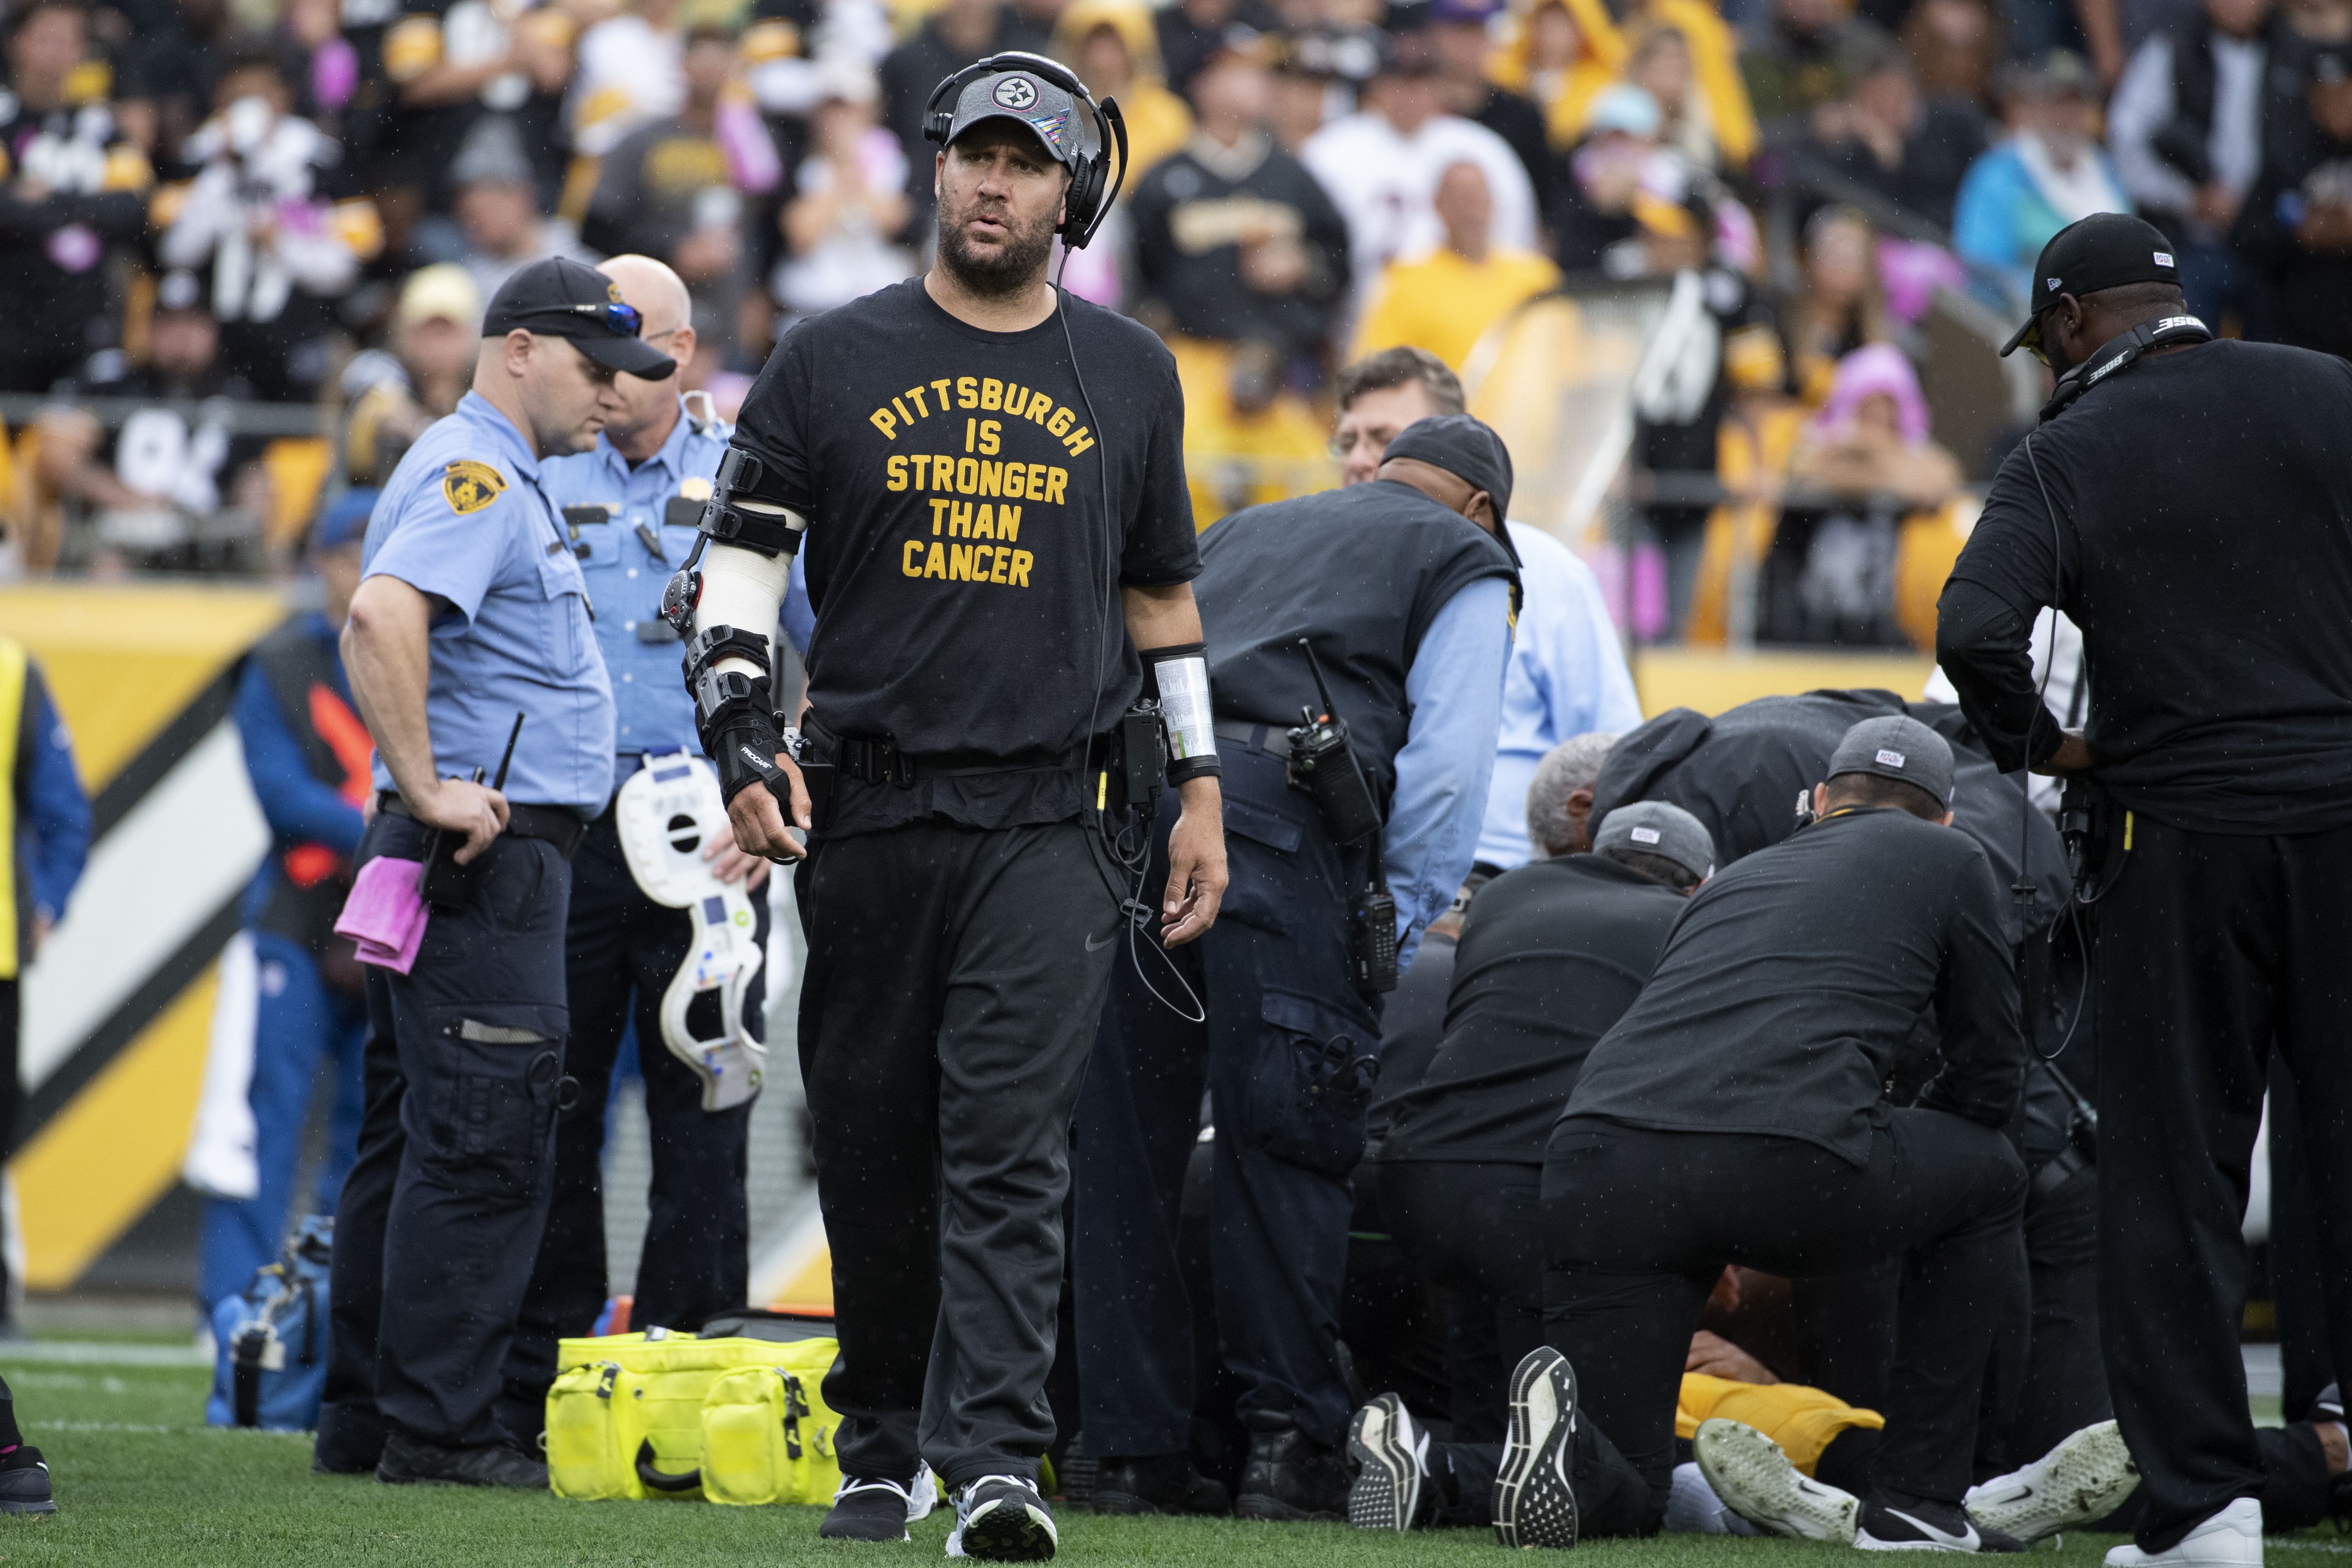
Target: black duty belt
{"type": "Point", "coordinates": [556, 825]}
{"type": "Point", "coordinates": [881, 761]}
{"type": "Point", "coordinates": [1271, 738]}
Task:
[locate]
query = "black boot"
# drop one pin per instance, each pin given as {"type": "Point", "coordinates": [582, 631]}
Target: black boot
{"type": "Point", "coordinates": [411, 1461]}
{"type": "Point", "coordinates": [1162, 1483]}
{"type": "Point", "coordinates": [1290, 1475]}
{"type": "Point", "coordinates": [25, 1482]}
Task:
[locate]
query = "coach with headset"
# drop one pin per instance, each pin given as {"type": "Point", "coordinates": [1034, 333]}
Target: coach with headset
{"type": "Point", "coordinates": [988, 475]}
{"type": "Point", "coordinates": [2189, 503]}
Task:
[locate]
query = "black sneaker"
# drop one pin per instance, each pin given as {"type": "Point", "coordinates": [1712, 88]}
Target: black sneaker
{"type": "Point", "coordinates": [1391, 1466]}
{"type": "Point", "coordinates": [1911, 1524]}
{"type": "Point", "coordinates": [1000, 1519]}
{"type": "Point", "coordinates": [1163, 1483]}
{"type": "Point", "coordinates": [1289, 1475]}
{"type": "Point", "coordinates": [879, 1508]}
{"type": "Point", "coordinates": [1534, 1504]}
{"type": "Point", "coordinates": [411, 1461]}
{"type": "Point", "coordinates": [25, 1482]}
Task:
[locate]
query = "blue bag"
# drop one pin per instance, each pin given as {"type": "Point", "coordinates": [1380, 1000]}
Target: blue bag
{"type": "Point", "coordinates": [272, 1339]}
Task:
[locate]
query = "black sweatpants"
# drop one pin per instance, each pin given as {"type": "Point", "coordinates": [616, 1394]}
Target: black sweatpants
{"type": "Point", "coordinates": [1640, 1225]}
{"type": "Point", "coordinates": [2211, 950]}
{"type": "Point", "coordinates": [955, 975]}
{"type": "Point", "coordinates": [1282, 1018]}
{"type": "Point", "coordinates": [621, 952]}
{"type": "Point", "coordinates": [1477, 1231]}
{"type": "Point", "coordinates": [441, 1216]}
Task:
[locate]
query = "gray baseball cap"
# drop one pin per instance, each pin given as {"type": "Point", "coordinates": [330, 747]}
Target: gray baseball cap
{"type": "Point", "coordinates": [1656, 827]}
{"type": "Point", "coordinates": [1030, 99]}
{"type": "Point", "coordinates": [1896, 747]}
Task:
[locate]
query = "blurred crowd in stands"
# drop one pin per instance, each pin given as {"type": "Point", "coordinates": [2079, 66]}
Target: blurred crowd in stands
{"type": "Point", "coordinates": [213, 207]}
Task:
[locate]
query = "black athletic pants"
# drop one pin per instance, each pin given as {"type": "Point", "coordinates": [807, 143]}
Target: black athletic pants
{"type": "Point", "coordinates": [2211, 950]}
{"type": "Point", "coordinates": [621, 952]}
{"type": "Point", "coordinates": [954, 979]}
{"type": "Point", "coordinates": [1282, 1018]}
{"type": "Point", "coordinates": [1640, 1225]}
{"type": "Point", "coordinates": [1477, 1231]}
{"type": "Point", "coordinates": [441, 1216]}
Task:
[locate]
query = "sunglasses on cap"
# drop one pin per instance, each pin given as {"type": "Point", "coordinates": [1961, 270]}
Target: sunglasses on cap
{"type": "Point", "coordinates": [621, 321]}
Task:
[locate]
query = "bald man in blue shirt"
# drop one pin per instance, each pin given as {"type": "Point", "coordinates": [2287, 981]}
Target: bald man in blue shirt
{"type": "Point", "coordinates": [471, 609]}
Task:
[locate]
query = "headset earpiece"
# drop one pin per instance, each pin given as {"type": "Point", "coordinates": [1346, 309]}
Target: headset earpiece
{"type": "Point", "coordinates": [2119, 355]}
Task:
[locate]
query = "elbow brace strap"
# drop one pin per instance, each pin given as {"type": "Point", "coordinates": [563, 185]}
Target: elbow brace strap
{"type": "Point", "coordinates": [739, 514]}
{"type": "Point", "coordinates": [1181, 674]}
{"type": "Point", "coordinates": [710, 645]}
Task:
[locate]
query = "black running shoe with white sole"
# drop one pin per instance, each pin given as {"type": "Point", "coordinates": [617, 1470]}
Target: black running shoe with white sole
{"type": "Point", "coordinates": [1390, 1455]}
{"type": "Point", "coordinates": [1910, 1524]}
{"type": "Point", "coordinates": [1000, 1519]}
{"type": "Point", "coordinates": [1755, 1479]}
{"type": "Point", "coordinates": [1534, 1504]}
{"type": "Point", "coordinates": [24, 1483]}
{"type": "Point", "coordinates": [878, 1508]}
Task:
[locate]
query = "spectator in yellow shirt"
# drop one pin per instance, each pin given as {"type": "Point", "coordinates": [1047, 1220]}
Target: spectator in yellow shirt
{"type": "Point", "coordinates": [1445, 301]}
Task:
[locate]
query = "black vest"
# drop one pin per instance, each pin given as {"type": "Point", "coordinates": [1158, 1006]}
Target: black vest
{"type": "Point", "coordinates": [312, 880]}
{"type": "Point", "coordinates": [1361, 571]}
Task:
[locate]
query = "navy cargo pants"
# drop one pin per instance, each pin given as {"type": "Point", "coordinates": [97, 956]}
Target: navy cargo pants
{"type": "Point", "coordinates": [441, 1213]}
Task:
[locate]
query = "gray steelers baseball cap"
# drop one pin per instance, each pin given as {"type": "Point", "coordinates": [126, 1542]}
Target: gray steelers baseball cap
{"type": "Point", "coordinates": [1896, 747]}
{"type": "Point", "coordinates": [1660, 828]}
{"type": "Point", "coordinates": [1028, 99]}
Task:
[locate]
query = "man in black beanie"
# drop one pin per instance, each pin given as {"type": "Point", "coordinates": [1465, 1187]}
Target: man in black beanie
{"type": "Point", "coordinates": [1403, 589]}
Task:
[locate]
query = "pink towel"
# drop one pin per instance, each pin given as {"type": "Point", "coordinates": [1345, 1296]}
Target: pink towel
{"type": "Point", "coordinates": [385, 914]}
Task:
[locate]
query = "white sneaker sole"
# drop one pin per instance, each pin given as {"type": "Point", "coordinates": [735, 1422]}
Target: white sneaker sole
{"type": "Point", "coordinates": [2083, 1480]}
{"type": "Point", "coordinates": [1534, 1504]}
{"type": "Point", "coordinates": [1755, 1479]}
{"type": "Point", "coordinates": [1387, 1492]}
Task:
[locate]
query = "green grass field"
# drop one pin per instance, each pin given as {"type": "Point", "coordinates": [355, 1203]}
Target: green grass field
{"type": "Point", "coordinates": [142, 1483]}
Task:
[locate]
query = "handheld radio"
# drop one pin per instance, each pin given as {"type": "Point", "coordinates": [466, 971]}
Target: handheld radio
{"type": "Point", "coordinates": [1324, 765]}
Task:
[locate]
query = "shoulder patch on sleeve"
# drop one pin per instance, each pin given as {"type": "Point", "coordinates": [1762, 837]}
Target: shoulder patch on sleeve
{"type": "Point", "coordinates": [469, 486]}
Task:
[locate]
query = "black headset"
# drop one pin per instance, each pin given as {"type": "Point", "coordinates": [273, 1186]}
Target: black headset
{"type": "Point", "coordinates": [2119, 353]}
{"type": "Point", "coordinates": [1092, 189]}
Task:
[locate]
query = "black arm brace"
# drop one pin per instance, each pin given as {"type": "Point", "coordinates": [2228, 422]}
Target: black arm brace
{"type": "Point", "coordinates": [743, 477]}
{"type": "Point", "coordinates": [735, 715]}
{"type": "Point", "coordinates": [712, 644]}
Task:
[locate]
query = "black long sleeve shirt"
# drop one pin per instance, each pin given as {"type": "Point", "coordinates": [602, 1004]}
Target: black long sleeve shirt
{"type": "Point", "coordinates": [2198, 528]}
{"type": "Point", "coordinates": [1796, 982]}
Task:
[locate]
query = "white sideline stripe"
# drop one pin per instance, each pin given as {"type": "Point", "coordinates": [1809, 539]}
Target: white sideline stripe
{"type": "Point", "coordinates": [174, 858]}
{"type": "Point", "coordinates": [101, 1352]}
{"type": "Point", "coordinates": [151, 1430]}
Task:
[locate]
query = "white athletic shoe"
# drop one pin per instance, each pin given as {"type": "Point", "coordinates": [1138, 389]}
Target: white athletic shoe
{"type": "Point", "coordinates": [2087, 1476]}
{"type": "Point", "coordinates": [1534, 1504]}
{"type": "Point", "coordinates": [1755, 1481]}
{"type": "Point", "coordinates": [1693, 1509]}
{"type": "Point", "coordinates": [925, 1496]}
{"type": "Point", "coordinates": [1000, 1519]}
{"type": "Point", "coordinates": [1392, 1460]}
{"type": "Point", "coordinates": [2230, 1539]}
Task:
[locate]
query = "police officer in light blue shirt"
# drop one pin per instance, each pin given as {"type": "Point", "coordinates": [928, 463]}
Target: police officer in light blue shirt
{"type": "Point", "coordinates": [630, 506]}
{"type": "Point", "coordinates": [472, 609]}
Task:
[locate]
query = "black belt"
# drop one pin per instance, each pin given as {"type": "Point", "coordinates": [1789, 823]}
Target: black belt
{"type": "Point", "coordinates": [881, 761]}
{"type": "Point", "coordinates": [1264, 737]}
{"type": "Point", "coordinates": [556, 825]}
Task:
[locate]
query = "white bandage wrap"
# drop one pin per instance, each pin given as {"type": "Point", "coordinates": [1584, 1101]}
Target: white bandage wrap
{"type": "Point", "coordinates": [741, 588]}
{"type": "Point", "coordinates": [664, 855]}
{"type": "Point", "coordinates": [1184, 707]}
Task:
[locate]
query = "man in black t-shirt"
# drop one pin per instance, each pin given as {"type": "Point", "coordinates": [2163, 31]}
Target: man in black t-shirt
{"type": "Point", "coordinates": [2186, 502]}
{"type": "Point", "coordinates": [1550, 956]}
{"type": "Point", "coordinates": [1738, 1113]}
{"type": "Point", "coordinates": [989, 476]}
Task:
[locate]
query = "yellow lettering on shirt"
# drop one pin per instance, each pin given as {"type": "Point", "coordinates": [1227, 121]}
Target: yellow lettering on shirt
{"type": "Point", "coordinates": [1061, 422]}
{"type": "Point", "coordinates": [1078, 441]}
{"type": "Point", "coordinates": [1004, 559]}
{"type": "Point", "coordinates": [1055, 477]}
{"type": "Point", "coordinates": [1017, 398]}
{"type": "Point", "coordinates": [939, 514]}
{"type": "Point", "coordinates": [1008, 525]}
{"type": "Point", "coordinates": [884, 422]}
{"type": "Point", "coordinates": [935, 564]}
{"type": "Point", "coordinates": [940, 386]}
{"type": "Point", "coordinates": [960, 520]}
{"type": "Point", "coordinates": [896, 468]}
{"type": "Point", "coordinates": [1041, 408]}
{"type": "Point", "coordinates": [1020, 559]}
{"type": "Point", "coordinates": [907, 558]}
{"type": "Point", "coordinates": [915, 393]}
{"type": "Point", "coordinates": [992, 393]}
{"type": "Point", "coordinates": [992, 478]}
{"type": "Point", "coordinates": [990, 429]}
{"type": "Point", "coordinates": [960, 562]}
{"type": "Point", "coordinates": [967, 476]}
{"type": "Point", "coordinates": [980, 558]}
{"type": "Point", "coordinates": [966, 392]}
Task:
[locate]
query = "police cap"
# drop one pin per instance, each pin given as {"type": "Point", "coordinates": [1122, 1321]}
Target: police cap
{"type": "Point", "coordinates": [1464, 447]}
{"type": "Point", "coordinates": [560, 298]}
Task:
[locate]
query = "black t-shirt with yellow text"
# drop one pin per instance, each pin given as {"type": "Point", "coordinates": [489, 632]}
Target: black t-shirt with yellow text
{"type": "Point", "coordinates": [960, 557]}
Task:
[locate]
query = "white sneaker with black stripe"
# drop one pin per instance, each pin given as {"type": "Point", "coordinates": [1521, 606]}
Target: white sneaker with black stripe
{"type": "Point", "coordinates": [1000, 1519]}
{"type": "Point", "coordinates": [2086, 1478]}
{"type": "Point", "coordinates": [1755, 1479]}
{"type": "Point", "coordinates": [1534, 1504]}
{"type": "Point", "coordinates": [1392, 1465]}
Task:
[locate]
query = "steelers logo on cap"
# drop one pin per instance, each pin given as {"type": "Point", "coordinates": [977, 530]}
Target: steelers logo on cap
{"type": "Point", "coordinates": [1014, 92]}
